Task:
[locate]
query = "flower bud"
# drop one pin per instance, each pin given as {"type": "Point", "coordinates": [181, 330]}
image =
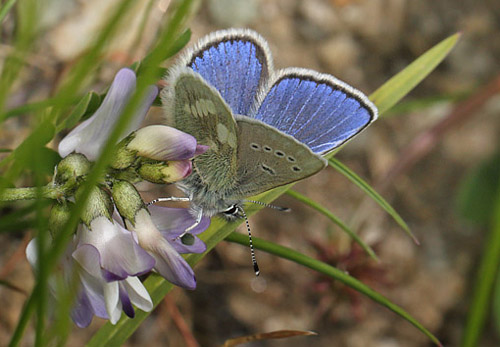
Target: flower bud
{"type": "Point", "coordinates": [71, 167]}
{"type": "Point", "coordinates": [165, 172]}
{"type": "Point", "coordinates": [59, 215]}
{"type": "Point", "coordinates": [124, 157]}
{"type": "Point", "coordinates": [127, 200]}
{"type": "Point", "coordinates": [161, 142]}
{"type": "Point", "coordinates": [98, 204]}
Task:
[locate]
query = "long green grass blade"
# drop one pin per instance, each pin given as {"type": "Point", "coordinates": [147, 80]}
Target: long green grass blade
{"type": "Point", "coordinates": [328, 270]}
{"type": "Point", "coordinates": [334, 219]}
{"type": "Point", "coordinates": [351, 176]}
{"type": "Point", "coordinates": [25, 34]}
{"type": "Point", "coordinates": [485, 280]}
{"type": "Point", "coordinates": [401, 84]}
{"type": "Point", "coordinates": [5, 9]}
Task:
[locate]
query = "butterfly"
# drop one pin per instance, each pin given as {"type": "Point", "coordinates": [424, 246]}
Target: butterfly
{"type": "Point", "coordinates": [264, 128]}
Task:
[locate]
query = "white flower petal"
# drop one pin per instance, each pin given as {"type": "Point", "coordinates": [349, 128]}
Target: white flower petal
{"type": "Point", "coordinates": [112, 299]}
{"type": "Point", "coordinates": [138, 294]}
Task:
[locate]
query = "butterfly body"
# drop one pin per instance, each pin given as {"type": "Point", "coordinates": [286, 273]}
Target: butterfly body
{"type": "Point", "coordinates": [263, 128]}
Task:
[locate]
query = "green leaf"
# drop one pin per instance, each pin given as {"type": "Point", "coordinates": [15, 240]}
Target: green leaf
{"type": "Point", "coordinates": [334, 219]}
{"type": "Point", "coordinates": [330, 271]}
{"type": "Point", "coordinates": [344, 170]}
{"type": "Point", "coordinates": [86, 106]}
{"type": "Point", "coordinates": [477, 192]}
{"type": "Point", "coordinates": [398, 86]}
{"type": "Point", "coordinates": [485, 280]}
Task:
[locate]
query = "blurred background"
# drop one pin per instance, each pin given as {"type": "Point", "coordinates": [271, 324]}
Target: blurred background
{"type": "Point", "coordinates": [434, 157]}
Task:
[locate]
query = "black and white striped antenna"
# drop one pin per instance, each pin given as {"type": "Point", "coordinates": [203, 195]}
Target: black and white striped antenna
{"type": "Point", "coordinates": [252, 251]}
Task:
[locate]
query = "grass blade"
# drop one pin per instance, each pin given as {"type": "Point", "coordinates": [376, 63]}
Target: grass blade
{"type": "Point", "coordinates": [6, 8]}
{"type": "Point", "coordinates": [344, 170]}
{"type": "Point", "coordinates": [401, 84]}
{"type": "Point", "coordinates": [485, 281]}
{"type": "Point", "coordinates": [341, 276]}
{"type": "Point", "coordinates": [334, 219]}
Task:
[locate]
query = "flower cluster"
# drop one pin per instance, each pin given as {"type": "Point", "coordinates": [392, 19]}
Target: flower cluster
{"type": "Point", "coordinates": [120, 237]}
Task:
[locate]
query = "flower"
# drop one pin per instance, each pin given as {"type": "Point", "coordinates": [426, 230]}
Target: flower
{"type": "Point", "coordinates": [107, 281]}
{"type": "Point", "coordinates": [161, 142]}
{"type": "Point", "coordinates": [172, 222]}
{"type": "Point", "coordinates": [162, 245]}
{"type": "Point", "coordinates": [118, 238]}
{"type": "Point", "coordinates": [167, 153]}
{"type": "Point", "coordinates": [89, 137]}
{"type": "Point", "coordinates": [104, 258]}
{"type": "Point", "coordinates": [158, 234]}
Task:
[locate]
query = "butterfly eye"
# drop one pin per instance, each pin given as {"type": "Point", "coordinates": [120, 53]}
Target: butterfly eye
{"type": "Point", "coordinates": [231, 210]}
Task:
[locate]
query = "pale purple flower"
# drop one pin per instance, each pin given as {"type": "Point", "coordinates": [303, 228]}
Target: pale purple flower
{"type": "Point", "coordinates": [108, 259]}
{"type": "Point", "coordinates": [160, 241]}
{"type": "Point", "coordinates": [89, 137]}
{"type": "Point", "coordinates": [169, 145]}
{"type": "Point", "coordinates": [119, 254]}
{"type": "Point", "coordinates": [161, 142]}
{"type": "Point", "coordinates": [171, 222]}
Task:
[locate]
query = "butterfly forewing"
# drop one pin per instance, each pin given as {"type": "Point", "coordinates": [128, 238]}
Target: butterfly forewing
{"type": "Point", "coordinates": [268, 158]}
{"type": "Point", "coordinates": [199, 110]}
{"type": "Point", "coordinates": [235, 62]}
{"type": "Point", "coordinates": [316, 109]}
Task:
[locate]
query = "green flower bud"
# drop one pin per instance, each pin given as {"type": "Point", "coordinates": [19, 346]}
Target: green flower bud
{"type": "Point", "coordinates": [165, 172]}
{"type": "Point", "coordinates": [124, 157]}
{"type": "Point", "coordinates": [71, 168]}
{"type": "Point", "coordinates": [98, 204]}
{"type": "Point", "coordinates": [127, 200]}
{"type": "Point", "coordinates": [59, 215]}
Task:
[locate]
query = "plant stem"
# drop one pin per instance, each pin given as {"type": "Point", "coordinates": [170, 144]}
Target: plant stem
{"type": "Point", "coordinates": [30, 193]}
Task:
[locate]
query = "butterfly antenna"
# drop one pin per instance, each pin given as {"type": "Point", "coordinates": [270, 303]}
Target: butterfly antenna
{"type": "Point", "coordinates": [279, 208]}
{"type": "Point", "coordinates": [252, 252]}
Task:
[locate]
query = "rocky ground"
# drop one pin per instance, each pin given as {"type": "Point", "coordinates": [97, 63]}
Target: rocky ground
{"type": "Point", "coordinates": [363, 42]}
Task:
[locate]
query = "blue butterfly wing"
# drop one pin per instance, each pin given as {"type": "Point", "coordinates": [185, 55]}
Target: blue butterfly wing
{"type": "Point", "coordinates": [316, 109]}
{"type": "Point", "coordinates": [236, 62]}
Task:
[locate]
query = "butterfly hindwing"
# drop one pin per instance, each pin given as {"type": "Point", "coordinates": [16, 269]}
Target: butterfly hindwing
{"type": "Point", "coordinates": [198, 109]}
{"type": "Point", "coordinates": [268, 158]}
{"type": "Point", "coordinates": [236, 62]}
{"type": "Point", "coordinates": [316, 109]}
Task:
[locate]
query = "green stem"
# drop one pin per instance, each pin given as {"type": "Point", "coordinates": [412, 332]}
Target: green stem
{"type": "Point", "coordinates": [30, 193]}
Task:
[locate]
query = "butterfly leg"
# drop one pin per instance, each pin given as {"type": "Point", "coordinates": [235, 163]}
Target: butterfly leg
{"type": "Point", "coordinates": [172, 198]}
